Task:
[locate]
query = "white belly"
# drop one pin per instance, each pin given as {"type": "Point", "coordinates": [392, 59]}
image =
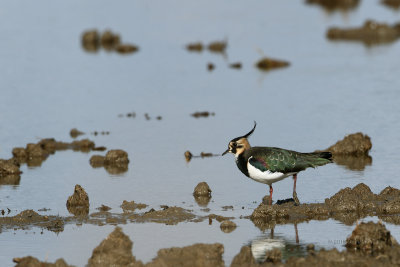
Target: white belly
{"type": "Point", "coordinates": [266, 177]}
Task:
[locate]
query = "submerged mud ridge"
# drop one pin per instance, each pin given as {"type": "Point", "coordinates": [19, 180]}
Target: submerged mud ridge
{"type": "Point", "coordinates": [347, 206]}
{"type": "Point", "coordinates": [370, 244]}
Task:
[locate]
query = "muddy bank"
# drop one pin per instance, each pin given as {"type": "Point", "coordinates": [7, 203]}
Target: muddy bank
{"type": "Point", "coordinates": [332, 5]}
{"type": "Point", "coordinates": [347, 206]}
{"type": "Point", "coordinates": [370, 244]}
{"type": "Point", "coordinates": [371, 33]}
{"type": "Point", "coordinates": [29, 218]}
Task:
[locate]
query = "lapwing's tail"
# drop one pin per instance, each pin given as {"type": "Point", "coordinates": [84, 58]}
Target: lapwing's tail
{"type": "Point", "coordinates": [318, 158]}
{"type": "Point", "coordinates": [325, 155]}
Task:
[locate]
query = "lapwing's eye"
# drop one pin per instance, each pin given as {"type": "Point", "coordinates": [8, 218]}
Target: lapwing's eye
{"type": "Point", "coordinates": [239, 146]}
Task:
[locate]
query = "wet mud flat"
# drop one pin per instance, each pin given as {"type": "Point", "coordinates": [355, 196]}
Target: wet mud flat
{"type": "Point", "coordinates": [370, 244]}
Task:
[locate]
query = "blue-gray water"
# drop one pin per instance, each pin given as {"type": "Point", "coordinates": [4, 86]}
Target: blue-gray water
{"type": "Point", "coordinates": [49, 85]}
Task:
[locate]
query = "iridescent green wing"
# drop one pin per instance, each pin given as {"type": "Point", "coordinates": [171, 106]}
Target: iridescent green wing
{"type": "Point", "coordinates": [278, 160]}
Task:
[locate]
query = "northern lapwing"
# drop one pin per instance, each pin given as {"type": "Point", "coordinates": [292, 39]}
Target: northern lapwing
{"type": "Point", "coordinates": [268, 165]}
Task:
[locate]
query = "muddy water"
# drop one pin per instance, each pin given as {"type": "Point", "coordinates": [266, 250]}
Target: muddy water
{"type": "Point", "coordinates": [50, 85]}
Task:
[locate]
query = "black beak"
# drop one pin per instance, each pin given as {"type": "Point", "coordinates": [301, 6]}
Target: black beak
{"type": "Point", "coordinates": [225, 152]}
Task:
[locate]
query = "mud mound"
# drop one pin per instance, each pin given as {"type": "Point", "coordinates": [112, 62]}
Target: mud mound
{"type": "Point", "coordinates": [115, 162]}
{"type": "Point", "coordinates": [115, 250]}
{"type": "Point", "coordinates": [198, 255]}
{"type": "Point", "coordinates": [9, 167]}
{"type": "Point", "coordinates": [202, 189]}
{"type": "Point", "coordinates": [370, 238]}
{"type": "Point", "coordinates": [202, 194]}
{"type": "Point", "coordinates": [356, 144]}
{"type": "Point", "coordinates": [74, 133]}
{"type": "Point", "coordinates": [30, 261]}
{"type": "Point", "coordinates": [78, 203]}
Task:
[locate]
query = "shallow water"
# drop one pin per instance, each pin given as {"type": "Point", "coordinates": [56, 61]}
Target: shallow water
{"type": "Point", "coordinates": [50, 84]}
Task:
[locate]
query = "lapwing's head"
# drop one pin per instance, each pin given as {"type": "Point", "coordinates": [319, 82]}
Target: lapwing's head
{"type": "Point", "coordinates": [239, 144]}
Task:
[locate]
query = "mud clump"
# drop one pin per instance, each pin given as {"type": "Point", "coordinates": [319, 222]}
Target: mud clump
{"type": "Point", "coordinates": [110, 41]}
{"type": "Point", "coordinates": [202, 194]}
{"type": "Point", "coordinates": [197, 255]}
{"type": "Point", "coordinates": [116, 156]}
{"type": "Point", "coordinates": [115, 250]}
{"type": "Point", "coordinates": [210, 66]}
{"type": "Point", "coordinates": [370, 33]}
{"type": "Point", "coordinates": [370, 238]}
{"type": "Point", "coordinates": [227, 226]}
{"type": "Point", "coordinates": [9, 167]}
{"type": "Point", "coordinates": [269, 63]}
{"type": "Point", "coordinates": [78, 203]}
{"type": "Point", "coordinates": [188, 155]}
{"type": "Point", "coordinates": [115, 162]}
{"type": "Point", "coordinates": [202, 114]}
{"type": "Point", "coordinates": [74, 133]}
{"type": "Point", "coordinates": [218, 46]}
{"type": "Point", "coordinates": [91, 40]}
{"type": "Point", "coordinates": [356, 144]}
{"type": "Point", "coordinates": [30, 261]}
{"type": "Point", "coordinates": [236, 65]}
{"type": "Point", "coordinates": [195, 47]}
{"type": "Point", "coordinates": [10, 179]}
{"type": "Point", "coordinates": [202, 189]}
{"type": "Point", "coordinates": [129, 206]}
{"type": "Point", "coordinates": [97, 161]}
{"type": "Point", "coordinates": [331, 5]}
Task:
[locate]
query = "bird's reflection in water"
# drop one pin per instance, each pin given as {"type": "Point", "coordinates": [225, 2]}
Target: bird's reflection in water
{"type": "Point", "coordinates": [266, 243]}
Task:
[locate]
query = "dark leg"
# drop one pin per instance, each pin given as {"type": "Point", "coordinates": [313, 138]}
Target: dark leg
{"type": "Point", "coordinates": [270, 194]}
{"type": "Point", "coordinates": [297, 233]}
{"type": "Point", "coordinates": [296, 200]}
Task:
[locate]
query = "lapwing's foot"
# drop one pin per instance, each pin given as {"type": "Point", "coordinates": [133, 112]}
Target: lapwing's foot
{"type": "Point", "coordinates": [295, 198]}
{"type": "Point", "coordinates": [283, 201]}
